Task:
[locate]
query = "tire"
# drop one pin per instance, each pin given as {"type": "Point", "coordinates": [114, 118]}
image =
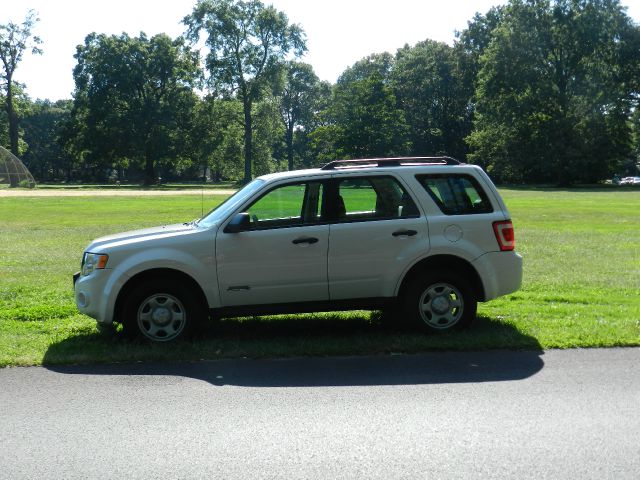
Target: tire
{"type": "Point", "coordinates": [440, 302]}
{"type": "Point", "coordinates": [389, 318]}
{"type": "Point", "coordinates": [161, 310]}
{"type": "Point", "coordinates": [106, 330]}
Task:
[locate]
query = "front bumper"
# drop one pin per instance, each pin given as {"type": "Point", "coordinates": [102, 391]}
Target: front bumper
{"type": "Point", "coordinates": [92, 295]}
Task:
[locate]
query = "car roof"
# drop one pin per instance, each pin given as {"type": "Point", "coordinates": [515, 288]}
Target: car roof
{"type": "Point", "coordinates": [409, 165]}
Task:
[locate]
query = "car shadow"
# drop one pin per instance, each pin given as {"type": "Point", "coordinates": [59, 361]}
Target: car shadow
{"type": "Point", "coordinates": [413, 369]}
{"type": "Point", "coordinates": [318, 352]}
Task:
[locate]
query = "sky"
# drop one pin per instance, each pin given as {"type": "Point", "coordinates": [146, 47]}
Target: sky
{"type": "Point", "coordinates": [339, 32]}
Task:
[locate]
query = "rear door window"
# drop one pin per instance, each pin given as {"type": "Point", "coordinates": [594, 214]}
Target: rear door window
{"type": "Point", "coordinates": [373, 198]}
{"type": "Point", "coordinates": [456, 194]}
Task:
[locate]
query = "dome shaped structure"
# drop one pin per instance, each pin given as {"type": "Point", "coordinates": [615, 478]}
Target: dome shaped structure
{"type": "Point", "coordinates": [13, 172]}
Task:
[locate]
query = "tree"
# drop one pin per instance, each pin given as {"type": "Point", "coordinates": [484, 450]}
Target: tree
{"type": "Point", "coordinates": [299, 102]}
{"type": "Point", "coordinates": [474, 40]}
{"type": "Point", "coordinates": [554, 94]}
{"type": "Point", "coordinates": [248, 43]}
{"type": "Point", "coordinates": [367, 121]}
{"type": "Point", "coordinates": [632, 166]}
{"type": "Point", "coordinates": [216, 137]}
{"type": "Point", "coordinates": [268, 135]}
{"type": "Point", "coordinates": [4, 123]}
{"type": "Point", "coordinates": [306, 153]}
{"type": "Point", "coordinates": [44, 155]}
{"type": "Point", "coordinates": [14, 41]}
{"type": "Point", "coordinates": [133, 100]}
{"type": "Point", "coordinates": [22, 107]}
{"type": "Point", "coordinates": [429, 83]}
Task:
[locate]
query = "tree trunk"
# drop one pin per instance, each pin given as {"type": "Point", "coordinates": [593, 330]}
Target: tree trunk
{"type": "Point", "coordinates": [149, 171]}
{"type": "Point", "coordinates": [13, 128]}
{"type": "Point", "coordinates": [248, 141]}
{"type": "Point", "coordinates": [289, 141]}
{"type": "Point", "coordinates": [205, 167]}
{"type": "Point", "coordinates": [13, 119]}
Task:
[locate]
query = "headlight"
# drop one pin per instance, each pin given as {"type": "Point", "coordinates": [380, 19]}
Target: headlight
{"type": "Point", "coordinates": [93, 261]}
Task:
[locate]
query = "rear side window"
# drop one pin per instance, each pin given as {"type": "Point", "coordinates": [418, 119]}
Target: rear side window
{"type": "Point", "coordinates": [373, 198]}
{"type": "Point", "coordinates": [456, 194]}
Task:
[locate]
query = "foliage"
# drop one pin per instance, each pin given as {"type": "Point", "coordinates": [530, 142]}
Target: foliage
{"type": "Point", "coordinates": [632, 166]}
{"type": "Point", "coordinates": [268, 134]}
{"type": "Point", "coordinates": [248, 43]}
{"type": "Point", "coordinates": [366, 120]}
{"type": "Point", "coordinates": [307, 139]}
{"type": "Point", "coordinates": [554, 91]}
{"type": "Point", "coordinates": [14, 41]}
{"type": "Point", "coordinates": [299, 102]}
{"type": "Point", "coordinates": [534, 91]}
{"type": "Point", "coordinates": [429, 84]}
{"type": "Point", "coordinates": [215, 137]}
{"type": "Point", "coordinates": [133, 101]}
{"type": "Point", "coordinates": [22, 107]}
{"type": "Point", "coordinates": [4, 123]}
{"type": "Point", "coordinates": [44, 155]}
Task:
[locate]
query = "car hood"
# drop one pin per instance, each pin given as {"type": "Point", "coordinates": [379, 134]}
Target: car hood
{"type": "Point", "coordinates": [141, 235]}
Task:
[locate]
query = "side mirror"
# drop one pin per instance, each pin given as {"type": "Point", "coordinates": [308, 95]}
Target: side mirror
{"type": "Point", "coordinates": [239, 223]}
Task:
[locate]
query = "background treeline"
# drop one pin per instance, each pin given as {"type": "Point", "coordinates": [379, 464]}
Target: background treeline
{"type": "Point", "coordinates": [536, 91]}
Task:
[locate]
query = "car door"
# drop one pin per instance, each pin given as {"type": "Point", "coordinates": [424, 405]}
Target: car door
{"type": "Point", "coordinates": [282, 256]}
{"type": "Point", "coordinates": [377, 233]}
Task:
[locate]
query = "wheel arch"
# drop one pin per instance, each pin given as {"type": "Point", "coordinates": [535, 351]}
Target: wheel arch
{"type": "Point", "coordinates": [444, 263]}
{"type": "Point", "coordinates": [155, 273]}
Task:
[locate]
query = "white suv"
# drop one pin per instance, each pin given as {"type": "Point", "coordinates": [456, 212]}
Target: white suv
{"type": "Point", "coordinates": [426, 238]}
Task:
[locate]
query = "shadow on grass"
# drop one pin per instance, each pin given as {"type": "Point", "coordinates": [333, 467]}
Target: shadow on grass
{"type": "Point", "coordinates": [599, 188]}
{"type": "Point", "coordinates": [312, 350]}
{"type": "Point", "coordinates": [231, 186]}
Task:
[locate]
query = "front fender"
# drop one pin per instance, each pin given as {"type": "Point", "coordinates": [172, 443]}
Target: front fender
{"type": "Point", "coordinates": [199, 267]}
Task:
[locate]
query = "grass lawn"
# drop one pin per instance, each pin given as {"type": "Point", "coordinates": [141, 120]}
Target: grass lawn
{"type": "Point", "coordinates": [581, 285]}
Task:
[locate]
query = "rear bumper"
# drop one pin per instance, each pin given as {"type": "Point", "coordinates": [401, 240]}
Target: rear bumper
{"type": "Point", "coordinates": [501, 273]}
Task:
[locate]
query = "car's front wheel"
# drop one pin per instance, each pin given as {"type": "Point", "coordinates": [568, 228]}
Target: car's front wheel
{"type": "Point", "coordinates": [440, 302]}
{"type": "Point", "coordinates": [161, 311]}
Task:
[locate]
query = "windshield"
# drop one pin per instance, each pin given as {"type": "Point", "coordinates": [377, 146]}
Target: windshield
{"type": "Point", "coordinates": [225, 208]}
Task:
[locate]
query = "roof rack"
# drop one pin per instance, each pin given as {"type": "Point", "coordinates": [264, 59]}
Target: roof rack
{"type": "Point", "coordinates": [390, 162]}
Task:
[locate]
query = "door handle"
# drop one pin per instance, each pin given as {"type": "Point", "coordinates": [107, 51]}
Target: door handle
{"type": "Point", "coordinates": [404, 233]}
{"type": "Point", "coordinates": [308, 240]}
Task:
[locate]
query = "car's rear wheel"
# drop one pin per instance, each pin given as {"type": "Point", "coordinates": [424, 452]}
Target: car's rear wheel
{"type": "Point", "coordinates": [440, 302]}
{"type": "Point", "coordinates": [106, 329]}
{"type": "Point", "coordinates": [161, 311]}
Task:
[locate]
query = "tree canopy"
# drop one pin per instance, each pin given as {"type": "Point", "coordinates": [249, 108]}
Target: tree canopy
{"type": "Point", "coordinates": [133, 99]}
{"type": "Point", "coordinates": [430, 86]}
{"type": "Point", "coordinates": [15, 40]}
{"type": "Point", "coordinates": [248, 43]}
{"type": "Point", "coordinates": [299, 102]}
{"type": "Point", "coordinates": [555, 91]}
{"type": "Point", "coordinates": [534, 91]}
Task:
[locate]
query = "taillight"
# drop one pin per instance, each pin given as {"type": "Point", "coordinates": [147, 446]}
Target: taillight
{"type": "Point", "coordinates": [505, 235]}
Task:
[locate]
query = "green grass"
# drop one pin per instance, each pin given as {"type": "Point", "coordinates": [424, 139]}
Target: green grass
{"type": "Point", "coordinates": [582, 267]}
{"type": "Point", "coordinates": [581, 285]}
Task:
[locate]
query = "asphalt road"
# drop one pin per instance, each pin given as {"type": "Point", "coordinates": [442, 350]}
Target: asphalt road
{"type": "Point", "coordinates": [557, 414]}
